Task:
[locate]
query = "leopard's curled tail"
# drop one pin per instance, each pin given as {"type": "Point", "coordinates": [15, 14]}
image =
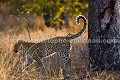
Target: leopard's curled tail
{"type": "Point", "coordinates": [72, 36]}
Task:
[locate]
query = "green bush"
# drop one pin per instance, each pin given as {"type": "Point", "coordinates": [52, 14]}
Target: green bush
{"type": "Point", "coordinates": [55, 8]}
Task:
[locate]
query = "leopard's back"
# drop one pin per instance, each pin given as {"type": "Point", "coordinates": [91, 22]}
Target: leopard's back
{"type": "Point", "coordinates": [48, 47]}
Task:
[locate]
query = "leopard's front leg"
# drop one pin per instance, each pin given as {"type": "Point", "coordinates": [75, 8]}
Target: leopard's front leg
{"type": "Point", "coordinates": [27, 60]}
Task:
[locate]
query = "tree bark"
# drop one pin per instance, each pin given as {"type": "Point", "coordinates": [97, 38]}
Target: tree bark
{"type": "Point", "coordinates": [66, 15]}
{"type": "Point", "coordinates": [104, 34]}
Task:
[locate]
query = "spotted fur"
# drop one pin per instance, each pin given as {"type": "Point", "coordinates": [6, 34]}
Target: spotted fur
{"type": "Point", "coordinates": [60, 45]}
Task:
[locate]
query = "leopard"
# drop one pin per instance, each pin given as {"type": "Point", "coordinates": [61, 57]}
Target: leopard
{"type": "Point", "coordinates": [22, 46]}
{"type": "Point", "coordinates": [58, 45]}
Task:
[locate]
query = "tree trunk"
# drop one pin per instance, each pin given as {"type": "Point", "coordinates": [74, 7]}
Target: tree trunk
{"type": "Point", "coordinates": [66, 15]}
{"type": "Point", "coordinates": [104, 36]}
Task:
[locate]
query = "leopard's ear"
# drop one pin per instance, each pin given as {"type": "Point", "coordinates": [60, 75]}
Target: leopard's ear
{"type": "Point", "coordinates": [21, 41]}
{"type": "Point", "coordinates": [21, 47]}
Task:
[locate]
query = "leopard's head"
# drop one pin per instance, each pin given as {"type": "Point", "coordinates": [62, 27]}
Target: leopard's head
{"type": "Point", "coordinates": [18, 46]}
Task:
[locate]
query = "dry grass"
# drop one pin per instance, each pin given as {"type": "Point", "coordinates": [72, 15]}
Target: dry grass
{"type": "Point", "coordinates": [11, 63]}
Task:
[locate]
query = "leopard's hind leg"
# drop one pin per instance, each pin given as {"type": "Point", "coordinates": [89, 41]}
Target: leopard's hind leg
{"type": "Point", "coordinates": [66, 65]}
